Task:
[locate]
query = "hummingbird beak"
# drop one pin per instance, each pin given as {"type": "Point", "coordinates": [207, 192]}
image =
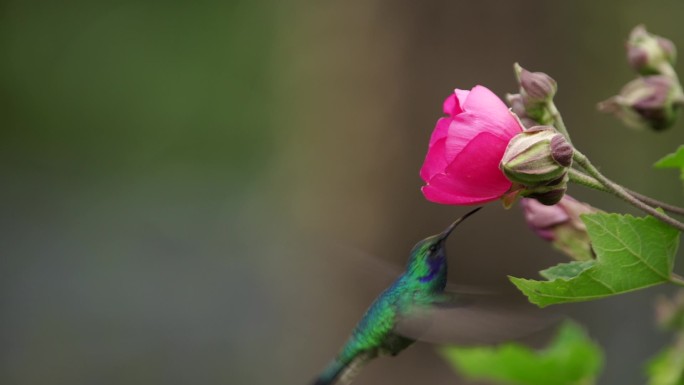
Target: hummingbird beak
{"type": "Point", "coordinates": [445, 234]}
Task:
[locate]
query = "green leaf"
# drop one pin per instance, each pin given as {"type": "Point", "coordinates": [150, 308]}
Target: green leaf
{"type": "Point", "coordinates": [632, 253]}
{"type": "Point", "coordinates": [571, 359]}
{"type": "Point", "coordinates": [674, 160]}
{"type": "Point", "coordinates": [566, 270]}
{"type": "Point", "coordinates": [667, 368]}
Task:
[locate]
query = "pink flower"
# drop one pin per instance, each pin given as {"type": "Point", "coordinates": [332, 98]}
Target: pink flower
{"type": "Point", "coordinates": [462, 163]}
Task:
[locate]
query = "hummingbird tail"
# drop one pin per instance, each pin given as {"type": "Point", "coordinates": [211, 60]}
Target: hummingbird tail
{"type": "Point", "coordinates": [331, 373]}
{"type": "Point", "coordinates": [344, 371]}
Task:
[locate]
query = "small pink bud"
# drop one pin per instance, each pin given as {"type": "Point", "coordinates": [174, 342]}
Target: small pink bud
{"type": "Point", "coordinates": [537, 89]}
{"type": "Point", "coordinates": [648, 53]}
{"type": "Point", "coordinates": [561, 225]}
{"type": "Point", "coordinates": [646, 102]}
{"type": "Point", "coordinates": [668, 47]}
{"type": "Point", "coordinates": [518, 108]}
{"type": "Point", "coordinates": [561, 150]}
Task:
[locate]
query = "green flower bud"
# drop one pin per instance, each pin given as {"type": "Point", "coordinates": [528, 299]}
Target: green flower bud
{"type": "Point", "coordinates": [538, 159]}
{"type": "Point", "coordinates": [648, 53]}
{"type": "Point", "coordinates": [646, 102]}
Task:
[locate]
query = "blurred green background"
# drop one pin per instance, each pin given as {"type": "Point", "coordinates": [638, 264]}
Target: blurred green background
{"type": "Point", "coordinates": [189, 189]}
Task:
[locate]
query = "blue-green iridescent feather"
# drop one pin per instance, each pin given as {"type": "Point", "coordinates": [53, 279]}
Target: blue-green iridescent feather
{"type": "Point", "coordinates": [420, 285]}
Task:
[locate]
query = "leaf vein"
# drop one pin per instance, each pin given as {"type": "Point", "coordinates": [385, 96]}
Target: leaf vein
{"type": "Point", "coordinates": [617, 238]}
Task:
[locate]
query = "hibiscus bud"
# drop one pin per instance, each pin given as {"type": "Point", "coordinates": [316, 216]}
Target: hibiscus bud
{"type": "Point", "coordinates": [646, 102]}
{"type": "Point", "coordinates": [537, 158]}
{"type": "Point", "coordinates": [670, 311]}
{"type": "Point", "coordinates": [518, 108]}
{"type": "Point", "coordinates": [561, 225]}
{"type": "Point", "coordinates": [648, 53]}
{"type": "Point", "coordinates": [535, 87]}
{"type": "Point", "coordinates": [552, 195]}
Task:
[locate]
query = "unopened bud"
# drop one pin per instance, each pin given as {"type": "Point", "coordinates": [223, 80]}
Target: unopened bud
{"type": "Point", "coordinates": [536, 87]}
{"type": "Point", "coordinates": [518, 108]}
{"type": "Point", "coordinates": [537, 157]}
{"type": "Point", "coordinates": [648, 53]}
{"type": "Point", "coordinates": [551, 196]}
{"type": "Point", "coordinates": [561, 225]}
{"type": "Point", "coordinates": [646, 102]}
{"type": "Point", "coordinates": [547, 194]}
{"type": "Point", "coordinates": [670, 311]}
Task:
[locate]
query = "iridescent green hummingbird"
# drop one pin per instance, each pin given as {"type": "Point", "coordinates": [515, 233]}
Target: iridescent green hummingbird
{"type": "Point", "coordinates": [378, 332]}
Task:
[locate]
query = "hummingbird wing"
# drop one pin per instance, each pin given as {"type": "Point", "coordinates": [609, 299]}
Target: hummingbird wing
{"type": "Point", "coordinates": [474, 320]}
{"type": "Point", "coordinates": [387, 271]}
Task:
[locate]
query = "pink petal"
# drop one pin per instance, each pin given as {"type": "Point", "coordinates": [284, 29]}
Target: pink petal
{"type": "Point", "coordinates": [484, 103]}
{"type": "Point", "coordinates": [435, 161]}
{"type": "Point", "coordinates": [462, 129]}
{"type": "Point", "coordinates": [434, 194]}
{"type": "Point", "coordinates": [461, 95]}
{"type": "Point", "coordinates": [465, 127]}
{"type": "Point", "coordinates": [479, 164]}
{"type": "Point", "coordinates": [441, 130]}
{"type": "Point", "coordinates": [473, 176]}
{"type": "Point", "coordinates": [450, 105]}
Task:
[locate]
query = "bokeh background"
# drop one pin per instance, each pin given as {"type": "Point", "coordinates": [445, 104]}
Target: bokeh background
{"type": "Point", "coordinates": [191, 190]}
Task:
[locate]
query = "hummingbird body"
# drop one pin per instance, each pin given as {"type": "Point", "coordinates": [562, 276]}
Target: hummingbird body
{"type": "Point", "coordinates": [422, 284]}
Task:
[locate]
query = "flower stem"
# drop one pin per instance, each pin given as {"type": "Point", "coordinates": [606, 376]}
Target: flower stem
{"type": "Point", "coordinates": [558, 120]}
{"type": "Point", "coordinates": [676, 279]}
{"type": "Point", "coordinates": [656, 203]}
{"type": "Point", "coordinates": [620, 192]}
{"type": "Point", "coordinates": [585, 180]}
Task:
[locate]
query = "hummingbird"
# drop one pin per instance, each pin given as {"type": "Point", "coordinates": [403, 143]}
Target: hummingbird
{"type": "Point", "coordinates": [421, 285]}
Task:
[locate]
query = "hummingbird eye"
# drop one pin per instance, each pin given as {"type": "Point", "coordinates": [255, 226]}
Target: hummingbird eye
{"type": "Point", "coordinates": [432, 248]}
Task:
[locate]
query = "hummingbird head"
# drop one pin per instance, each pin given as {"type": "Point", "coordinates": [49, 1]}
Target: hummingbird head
{"type": "Point", "coordinates": [428, 257]}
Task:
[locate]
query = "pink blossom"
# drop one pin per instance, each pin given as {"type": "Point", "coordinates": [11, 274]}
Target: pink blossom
{"type": "Point", "coordinates": [462, 163]}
